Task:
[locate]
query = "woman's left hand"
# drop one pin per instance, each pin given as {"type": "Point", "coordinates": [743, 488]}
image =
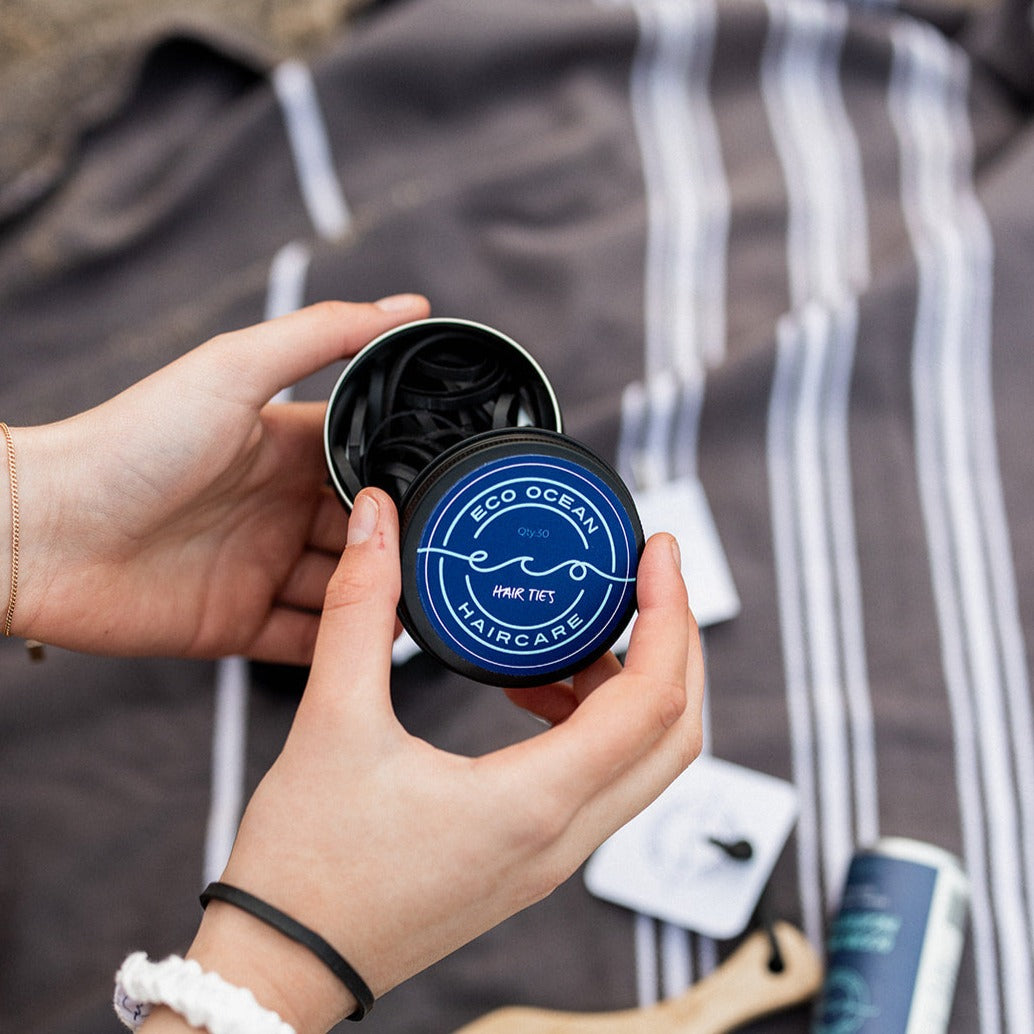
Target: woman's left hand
{"type": "Point", "coordinates": [186, 516]}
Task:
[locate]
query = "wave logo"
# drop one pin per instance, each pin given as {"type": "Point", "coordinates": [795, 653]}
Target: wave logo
{"type": "Point", "coordinates": [526, 565]}
{"type": "Point", "coordinates": [577, 570]}
{"type": "Point", "coordinates": [846, 1006]}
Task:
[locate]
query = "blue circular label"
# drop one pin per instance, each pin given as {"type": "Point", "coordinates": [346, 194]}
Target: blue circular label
{"type": "Point", "coordinates": [527, 565]}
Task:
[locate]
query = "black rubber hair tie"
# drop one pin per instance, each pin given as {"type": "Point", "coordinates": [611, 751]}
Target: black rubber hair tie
{"type": "Point", "coordinates": [291, 928]}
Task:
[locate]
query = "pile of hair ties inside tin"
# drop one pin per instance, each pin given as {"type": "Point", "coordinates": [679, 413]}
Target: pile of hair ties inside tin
{"type": "Point", "coordinates": [414, 404]}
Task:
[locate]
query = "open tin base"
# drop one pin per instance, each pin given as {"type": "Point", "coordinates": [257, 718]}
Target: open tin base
{"type": "Point", "coordinates": [519, 546]}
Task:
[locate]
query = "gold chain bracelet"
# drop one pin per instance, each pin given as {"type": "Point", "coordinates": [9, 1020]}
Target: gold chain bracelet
{"type": "Point", "coordinates": [15, 528]}
{"type": "Point", "coordinates": [35, 648]}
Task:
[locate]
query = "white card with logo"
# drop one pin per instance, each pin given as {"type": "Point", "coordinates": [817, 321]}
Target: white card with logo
{"type": "Point", "coordinates": [666, 862]}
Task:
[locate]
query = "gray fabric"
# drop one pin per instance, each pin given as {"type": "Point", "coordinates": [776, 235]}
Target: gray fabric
{"type": "Point", "coordinates": [65, 65]}
{"type": "Point", "coordinates": [512, 166]}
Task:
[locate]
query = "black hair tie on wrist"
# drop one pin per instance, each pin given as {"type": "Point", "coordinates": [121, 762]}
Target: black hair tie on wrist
{"type": "Point", "coordinates": [291, 928]}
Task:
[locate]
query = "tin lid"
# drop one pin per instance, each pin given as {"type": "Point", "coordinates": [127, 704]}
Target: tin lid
{"type": "Point", "coordinates": [519, 558]}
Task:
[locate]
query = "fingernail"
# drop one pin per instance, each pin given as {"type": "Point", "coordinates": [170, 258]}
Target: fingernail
{"type": "Point", "coordinates": [398, 302]}
{"type": "Point", "coordinates": [363, 519]}
{"type": "Point", "coordinates": [676, 553]}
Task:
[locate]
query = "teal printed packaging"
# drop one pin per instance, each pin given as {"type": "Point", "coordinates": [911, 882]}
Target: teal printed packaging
{"type": "Point", "coordinates": [519, 546]}
{"type": "Point", "coordinates": [895, 944]}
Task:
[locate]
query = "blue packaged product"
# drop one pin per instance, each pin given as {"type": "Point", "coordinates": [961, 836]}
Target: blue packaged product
{"type": "Point", "coordinates": [895, 944]}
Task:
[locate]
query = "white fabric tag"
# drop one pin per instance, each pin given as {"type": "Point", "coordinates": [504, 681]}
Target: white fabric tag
{"type": "Point", "coordinates": [664, 863]}
{"type": "Point", "coordinates": [681, 508]}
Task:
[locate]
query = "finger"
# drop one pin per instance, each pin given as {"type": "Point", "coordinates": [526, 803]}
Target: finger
{"type": "Point", "coordinates": [307, 582]}
{"type": "Point", "coordinates": [259, 361]}
{"type": "Point", "coordinates": [352, 661]}
{"type": "Point", "coordinates": [294, 430]}
{"type": "Point", "coordinates": [648, 776]}
{"type": "Point", "coordinates": [623, 718]}
{"type": "Point", "coordinates": [329, 529]}
{"type": "Point", "coordinates": [639, 785]}
{"type": "Point", "coordinates": [644, 780]}
{"type": "Point", "coordinates": [287, 637]}
{"type": "Point", "coordinates": [553, 703]}
{"type": "Point", "coordinates": [602, 669]}
{"type": "Point", "coordinates": [556, 702]}
{"type": "Point", "coordinates": [658, 644]}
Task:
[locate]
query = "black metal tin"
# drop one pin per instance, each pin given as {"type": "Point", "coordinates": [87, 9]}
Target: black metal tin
{"type": "Point", "coordinates": [519, 546]}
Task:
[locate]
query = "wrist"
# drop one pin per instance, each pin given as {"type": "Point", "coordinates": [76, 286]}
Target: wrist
{"type": "Point", "coordinates": [164, 1021]}
{"type": "Point", "coordinates": [17, 500]}
{"type": "Point", "coordinates": [17, 575]}
{"type": "Point", "coordinates": [284, 976]}
{"type": "Point", "coordinates": [200, 998]}
{"type": "Point", "coordinates": [52, 510]}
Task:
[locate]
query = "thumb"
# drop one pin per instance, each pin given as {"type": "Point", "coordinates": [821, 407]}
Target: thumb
{"type": "Point", "coordinates": [261, 360]}
{"type": "Point", "coordinates": [352, 659]}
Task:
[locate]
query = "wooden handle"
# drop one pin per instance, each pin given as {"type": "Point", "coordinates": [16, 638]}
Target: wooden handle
{"type": "Point", "coordinates": [741, 989]}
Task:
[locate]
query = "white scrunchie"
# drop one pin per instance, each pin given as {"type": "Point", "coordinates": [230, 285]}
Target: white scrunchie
{"type": "Point", "coordinates": [203, 999]}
